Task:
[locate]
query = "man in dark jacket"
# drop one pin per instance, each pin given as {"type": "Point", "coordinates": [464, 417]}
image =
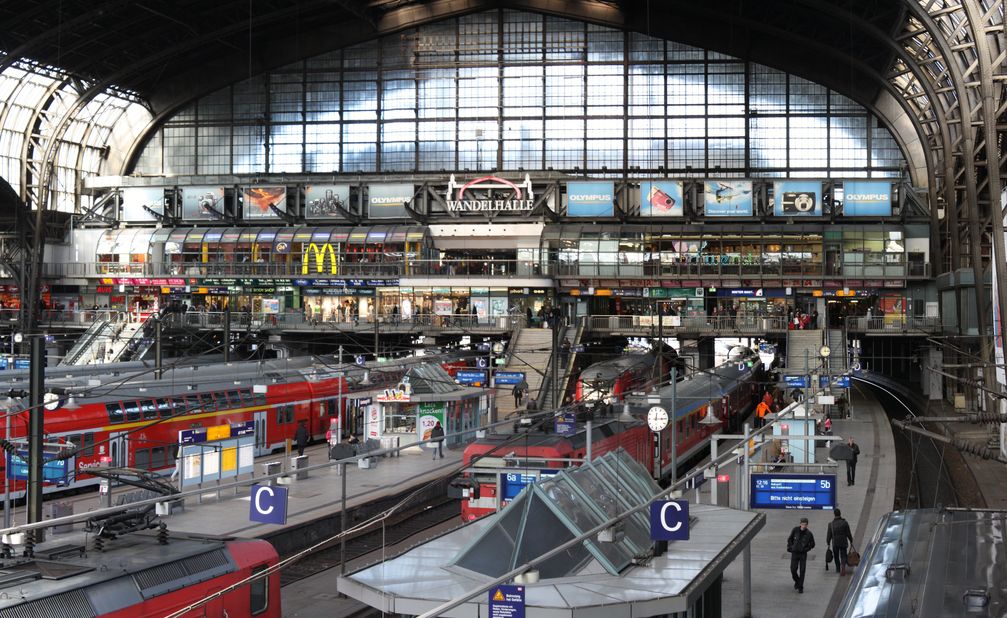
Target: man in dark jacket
{"type": "Point", "coordinates": [851, 464]}
{"type": "Point", "coordinates": [840, 538]}
{"type": "Point", "coordinates": [437, 435]}
{"type": "Point", "coordinates": [799, 543]}
{"type": "Point", "coordinates": [301, 437]}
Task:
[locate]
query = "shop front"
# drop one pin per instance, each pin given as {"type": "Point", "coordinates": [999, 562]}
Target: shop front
{"type": "Point", "coordinates": [337, 305]}
{"type": "Point", "coordinates": [444, 305]}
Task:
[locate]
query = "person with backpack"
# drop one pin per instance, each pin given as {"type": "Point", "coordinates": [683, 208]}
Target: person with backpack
{"type": "Point", "coordinates": [437, 435]}
{"type": "Point", "coordinates": [839, 538]}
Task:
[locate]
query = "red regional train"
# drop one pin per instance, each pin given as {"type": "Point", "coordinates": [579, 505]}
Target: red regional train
{"type": "Point", "coordinates": [134, 420]}
{"type": "Point", "coordinates": [137, 577]}
{"type": "Point", "coordinates": [614, 378]}
{"type": "Point", "coordinates": [500, 465]}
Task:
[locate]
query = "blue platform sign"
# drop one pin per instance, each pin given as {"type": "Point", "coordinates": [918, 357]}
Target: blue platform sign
{"type": "Point", "coordinates": [360, 360]}
{"type": "Point", "coordinates": [53, 471]}
{"type": "Point", "coordinates": [471, 377]}
{"type": "Point", "coordinates": [669, 520]}
{"type": "Point", "coordinates": [22, 363]}
{"type": "Point", "coordinates": [841, 381]}
{"type": "Point", "coordinates": [797, 381]}
{"type": "Point", "coordinates": [512, 483]}
{"type": "Point", "coordinates": [269, 504]}
{"type": "Point", "coordinates": [481, 363]}
{"type": "Point", "coordinates": [509, 377]}
{"type": "Point", "coordinates": [506, 602]}
{"type": "Point", "coordinates": [566, 424]}
{"type": "Point", "coordinates": [793, 491]}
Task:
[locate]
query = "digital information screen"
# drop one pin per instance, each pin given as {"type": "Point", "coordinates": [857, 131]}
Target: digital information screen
{"type": "Point", "coordinates": [513, 482]}
{"type": "Point", "coordinates": [793, 491]}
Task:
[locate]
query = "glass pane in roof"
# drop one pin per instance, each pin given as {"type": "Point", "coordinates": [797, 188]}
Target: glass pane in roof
{"type": "Point", "coordinates": [376, 236]}
{"type": "Point", "coordinates": [230, 235]}
{"type": "Point", "coordinates": [266, 235]}
{"type": "Point", "coordinates": [339, 234]}
{"type": "Point", "coordinates": [196, 235]}
{"type": "Point", "coordinates": [575, 506]}
{"type": "Point", "coordinates": [213, 235]}
{"type": "Point", "coordinates": [416, 233]}
{"type": "Point", "coordinates": [160, 235]}
{"type": "Point", "coordinates": [613, 502]}
{"type": "Point", "coordinates": [178, 235]}
{"type": "Point", "coordinates": [358, 236]}
{"type": "Point", "coordinates": [498, 541]}
{"type": "Point", "coordinates": [248, 234]}
{"type": "Point", "coordinates": [397, 235]}
{"type": "Point", "coordinates": [542, 531]}
{"type": "Point", "coordinates": [303, 234]}
{"type": "Point", "coordinates": [141, 241]}
{"type": "Point", "coordinates": [106, 242]}
{"type": "Point", "coordinates": [321, 234]}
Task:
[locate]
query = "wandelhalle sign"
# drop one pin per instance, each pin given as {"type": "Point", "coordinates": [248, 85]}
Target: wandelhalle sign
{"type": "Point", "coordinates": [489, 194]}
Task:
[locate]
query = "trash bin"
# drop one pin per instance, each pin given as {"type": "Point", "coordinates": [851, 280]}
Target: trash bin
{"type": "Point", "coordinates": [270, 468]}
{"type": "Point", "coordinates": [365, 463]}
{"type": "Point", "coordinates": [297, 465]}
{"type": "Point", "coordinates": [57, 510]}
{"type": "Point", "coordinates": [389, 443]}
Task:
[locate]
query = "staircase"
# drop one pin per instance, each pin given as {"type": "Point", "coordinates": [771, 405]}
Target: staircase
{"type": "Point", "coordinates": [108, 341]}
{"type": "Point", "coordinates": [529, 352]}
{"type": "Point", "coordinates": [573, 336]}
{"type": "Point", "coordinates": [90, 345]}
{"type": "Point", "coordinates": [802, 350]}
{"type": "Point", "coordinates": [839, 356]}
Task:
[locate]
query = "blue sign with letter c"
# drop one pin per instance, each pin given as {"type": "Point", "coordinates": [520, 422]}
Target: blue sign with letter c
{"type": "Point", "coordinates": [669, 520]}
{"type": "Point", "coordinates": [269, 504]}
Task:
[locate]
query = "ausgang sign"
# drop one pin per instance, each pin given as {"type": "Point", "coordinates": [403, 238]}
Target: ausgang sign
{"type": "Point", "coordinates": [489, 194]}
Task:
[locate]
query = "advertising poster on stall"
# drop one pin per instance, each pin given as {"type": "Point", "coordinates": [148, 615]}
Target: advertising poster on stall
{"type": "Point", "coordinates": [443, 307]}
{"type": "Point", "coordinates": [372, 422]}
{"type": "Point", "coordinates": [590, 199]}
{"type": "Point", "coordinates": [388, 201]}
{"type": "Point", "coordinates": [142, 204]}
{"type": "Point", "coordinates": [325, 201]}
{"type": "Point", "coordinates": [661, 198]}
{"type": "Point", "coordinates": [259, 202]}
{"type": "Point", "coordinates": [727, 198]}
{"type": "Point", "coordinates": [428, 415]}
{"type": "Point", "coordinates": [482, 309]}
{"type": "Point", "coordinates": [203, 203]}
{"type": "Point", "coordinates": [862, 198]}
{"type": "Point", "coordinates": [797, 198]}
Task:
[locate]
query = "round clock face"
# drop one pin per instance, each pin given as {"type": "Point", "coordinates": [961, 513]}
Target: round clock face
{"type": "Point", "coordinates": [824, 351]}
{"type": "Point", "coordinates": [50, 401]}
{"type": "Point", "coordinates": [657, 418]}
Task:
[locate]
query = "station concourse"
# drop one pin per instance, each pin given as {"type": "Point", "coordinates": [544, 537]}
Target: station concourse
{"type": "Point", "coordinates": [230, 231]}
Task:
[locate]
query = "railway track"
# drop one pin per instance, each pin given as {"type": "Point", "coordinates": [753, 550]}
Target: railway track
{"type": "Point", "coordinates": [394, 536]}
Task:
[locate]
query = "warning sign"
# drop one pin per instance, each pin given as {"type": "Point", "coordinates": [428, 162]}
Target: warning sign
{"type": "Point", "coordinates": [506, 602]}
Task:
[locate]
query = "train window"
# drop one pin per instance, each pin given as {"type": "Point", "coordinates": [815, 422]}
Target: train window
{"type": "Point", "coordinates": [290, 413]}
{"type": "Point", "coordinates": [279, 415]}
{"type": "Point", "coordinates": [192, 404]}
{"type": "Point", "coordinates": [157, 457]}
{"type": "Point", "coordinates": [259, 399]}
{"type": "Point", "coordinates": [233, 399]}
{"type": "Point", "coordinates": [148, 408]}
{"type": "Point", "coordinates": [206, 402]}
{"type": "Point", "coordinates": [132, 409]}
{"type": "Point", "coordinates": [141, 459]}
{"type": "Point", "coordinates": [74, 440]}
{"type": "Point", "coordinates": [115, 413]}
{"type": "Point", "coordinates": [164, 408]}
{"type": "Point", "coordinates": [169, 456]}
{"type": "Point", "coordinates": [258, 591]}
{"type": "Point", "coordinates": [88, 444]}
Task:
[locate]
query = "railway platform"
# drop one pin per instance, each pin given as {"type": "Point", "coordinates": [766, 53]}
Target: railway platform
{"type": "Point", "coordinates": [862, 504]}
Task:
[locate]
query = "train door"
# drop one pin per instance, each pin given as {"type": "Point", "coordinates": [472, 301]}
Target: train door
{"type": "Point", "coordinates": [118, 449]}
{"type": "Point", "coordinates": [261, 437]}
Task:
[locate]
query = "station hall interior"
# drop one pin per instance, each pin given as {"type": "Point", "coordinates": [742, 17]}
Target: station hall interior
{"type": "Point", "coordinates": [453, 254]}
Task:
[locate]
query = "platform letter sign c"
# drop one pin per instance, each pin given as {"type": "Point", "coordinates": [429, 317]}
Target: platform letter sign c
{"type": "Point", "coordinates": [669, 520]}
{"type": "Point", "coordinates": [269, 504]}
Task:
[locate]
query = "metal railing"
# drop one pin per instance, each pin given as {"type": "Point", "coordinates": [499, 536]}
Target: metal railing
{"type": "Point", "coordinates": [893, 324]}
{"type": "Point", "coordinates": [297, 319]}
{"type": "Point", "coordinates": [691, 323]}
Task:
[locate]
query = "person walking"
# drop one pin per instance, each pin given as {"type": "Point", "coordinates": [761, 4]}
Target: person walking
{"type": "Point", "coordinates": [518, 394]}
{"type": "Point", "coordinates": [799, 543]}
{"type": "Point", "coordinates": [851, 463]}
{"type": "Point", "coordinates": [437, 435]}
{"type": "Point", "coordinates": [301, 437]}
{"type": "Point", "coordinates": [839, 538]}
{"type": "Point", "coordinates": [761, 411]}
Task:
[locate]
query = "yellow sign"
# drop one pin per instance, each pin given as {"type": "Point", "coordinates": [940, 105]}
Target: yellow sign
{"type": "Point", "coordinates": [319, 253]}
{"type": "Point", "coordinates": [229, 459]}
{"type": "Point", "coordinates": [218, 432]}
{"type": "Point", "coordinates": [498, 596]}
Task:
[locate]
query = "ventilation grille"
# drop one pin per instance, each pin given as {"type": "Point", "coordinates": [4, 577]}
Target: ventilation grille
{"type": "Point", "coordinates": [187, 569]}
{"type": "Point", "coordinates": [73, 604]}
{"type": "Point", "coordinates": [205, 562]}
{"type": "Point", "coordinates": [159, 575]}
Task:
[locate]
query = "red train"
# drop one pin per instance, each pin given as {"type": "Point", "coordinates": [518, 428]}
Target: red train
{"type": "Point", "coordinates": [136, 577]}
{"type": "Point", "coordinates": [136, 422]}
{"type": "Point", "coordinates": [500, 465]}
{"type": "Point", "coordinates": [614, 378]}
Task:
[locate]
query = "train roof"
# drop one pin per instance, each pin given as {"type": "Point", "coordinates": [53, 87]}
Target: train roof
{"type": "Point", "coordinates": [600, 429]}
{"type": "Point", "coordinates": [133, 568]}
{"type": "Point", "coordinates": [613, 367]}
{"type": "Point", "coordinates": [698, 389]}
{"type": "Point", "coordinates": [131, 381]}
{"type": "Point", "coordinates": [932, 562]}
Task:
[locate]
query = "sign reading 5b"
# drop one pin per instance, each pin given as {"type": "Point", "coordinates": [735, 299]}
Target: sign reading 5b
{"type": "Point", "coordinates": [669, 520]}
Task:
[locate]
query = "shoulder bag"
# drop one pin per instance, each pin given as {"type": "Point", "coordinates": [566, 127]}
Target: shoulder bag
{"type": "Point", "coordinates": [853, 557]}
{"type": "Point", "coordinates": [828, 553]}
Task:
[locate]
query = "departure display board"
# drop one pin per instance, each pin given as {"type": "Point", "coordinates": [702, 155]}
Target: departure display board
{"type": "Point", "coordinates": [793, 491]}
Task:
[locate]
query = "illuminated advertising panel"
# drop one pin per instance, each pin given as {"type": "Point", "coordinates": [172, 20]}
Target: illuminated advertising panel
{"type": "Point", "coordinates": [727, 198]}
{"type": "Point", "coordinates": [797, 198]}
{"type": "Point", "coordinates": [661, 198]}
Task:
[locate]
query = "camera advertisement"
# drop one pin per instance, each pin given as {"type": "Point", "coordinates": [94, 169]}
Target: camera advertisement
{"type": "Point", "coordinates": [142, 203]}
{"type": "Point", "coordinates": [203, 203]}
{"type": "Point", "coordinates": [264, 202]}
{"type": "Point", "coordinates": [802, 198]}
{"type": "Point", "coordinates": [590, 199]}
{"type": "Point", "coordinates": [326, 201]}
{"type": "Point", "coordinates": [661, 198]}
{"type": "Point", "coordinates": [727, 198]}
{"type": "Point", "coordinates": [389, 201]}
